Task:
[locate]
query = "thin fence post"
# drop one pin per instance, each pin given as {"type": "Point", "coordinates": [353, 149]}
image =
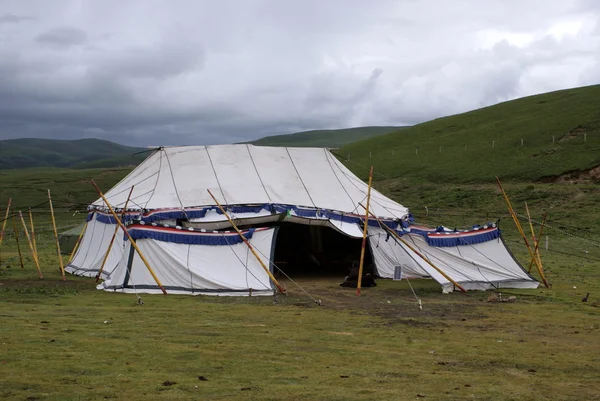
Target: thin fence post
{"type": "Point", "coordinates": [493, 143]}
{"type": "Point", "coordinates": [546, 242]}
{"type": "Point", "coordinates": [585, 137]}
{"type": "Point", "coordinates": [552, 138]}
{"type": "Point", "coordinates": [521, 141]}
{"type": "Point", "coordinates": [416, 151]}
{"type": "Point", "coordinates": [465, 146]}
{"type": "Point", "coordinates": [369, 155]}
{"type": "Point", "coordinates": [393, 152]}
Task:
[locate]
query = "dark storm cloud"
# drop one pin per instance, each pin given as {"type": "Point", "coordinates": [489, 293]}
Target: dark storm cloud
{"type": "Point", "coordinates": [63, 37]}
{"type": "Point", "coordinates": [148, 73]}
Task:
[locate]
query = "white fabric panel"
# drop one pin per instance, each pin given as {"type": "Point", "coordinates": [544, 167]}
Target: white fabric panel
{"type": "Point", "coordinates": [279, 176]}
{"type": "Point", "coordinates": [388, 255]}
{"type": "Point", "coordinates": [350, 229]}
{"type": "Point", "coordinates": [92, 248]}
{"type": "Point", "coordinates": [477, 267]}
{"type": "Point", "coordinates": [198, 269]}
{"type": "Point", "coordinates": [312, 177]}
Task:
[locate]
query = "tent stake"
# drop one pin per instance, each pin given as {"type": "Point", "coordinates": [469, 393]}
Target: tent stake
{"type": "Point", "coordinates": [60, 260]}
{"type": "Point", "coordinates": [520, 229]}
{"type": "Point", "coordinates": [112, 240]}
{"type": "Point", "coordinates": [137, 249]}
{"type": "Point", "coordinates": [33, 253]}
{"type": "Point", "coordinates": [281, 289]}
{"type": "Point", "coordinates": [16, 232]}
{"type": "Point", "coordinates": [365, 228]}
{"type": "Point", "coordinates": [419, 254]}
{"type": "Point", "coordinates": [4, 226]}
{"type": "Point", "coordinates": [537, 243]}
{"type": "Point", "coordinates": [72, 255]}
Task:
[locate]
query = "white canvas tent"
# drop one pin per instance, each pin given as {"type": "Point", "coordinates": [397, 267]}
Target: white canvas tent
{"type": "Point", "coordinates": [184, 235]}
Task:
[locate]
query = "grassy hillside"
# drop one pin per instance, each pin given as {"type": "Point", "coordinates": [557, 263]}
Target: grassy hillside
{"type": "Point", "coordinates": [324, 138]}
{"type": "Point", "coordinates": [31, 152]}
{"type": "Point", "coordinates": [478, 145]}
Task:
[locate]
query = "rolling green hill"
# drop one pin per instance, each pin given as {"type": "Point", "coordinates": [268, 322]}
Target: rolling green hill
{"type": "Point", "coordinates": [324, 138]}
{"type": "Point", "coordinates": [527, 139]}
{"type": "Point", "coordinates": [29, 152]}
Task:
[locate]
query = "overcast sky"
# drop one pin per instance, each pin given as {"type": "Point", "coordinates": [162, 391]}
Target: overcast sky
{"type": "Point", "coordinates": [207, 72]}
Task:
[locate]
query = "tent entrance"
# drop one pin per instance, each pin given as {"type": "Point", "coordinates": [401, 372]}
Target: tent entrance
{"type": "Point", "coordinates": [304, 250]}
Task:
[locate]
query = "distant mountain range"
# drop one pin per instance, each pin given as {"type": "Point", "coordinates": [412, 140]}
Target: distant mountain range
{"type": "Point", "coordinates": [80, 153]}
{"type": "Point", "coordinates": [96, 153]}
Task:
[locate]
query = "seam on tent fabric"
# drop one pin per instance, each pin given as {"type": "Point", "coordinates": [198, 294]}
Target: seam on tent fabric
{"type": "Point", "coordinates": [187, 265]}
{"type": "Point", "coordinates": [216, 176]}
{"type": "Point", "coordinates": [127, 189]}
{"type": "Point", "coordinates": [448, 266]}
{"type": "Point", "coordinates": [257, 173]}
{"type": "Point", "coordinates": [87, 251]}
{"type": "Point", "coordinates": [373, 199]}
{"type": "Point", "coordinates": [175, 185]}
{"type": "Point", "coordinates": [515, 259]}
{"type": "Point", "coordinates": [299, 176]}
{"type": "Point", "coordinates": [245, 266]}
{"type": "Point", "coordinates": [157, 178]}
{"type": "Point", "coordinates": [338, 178]}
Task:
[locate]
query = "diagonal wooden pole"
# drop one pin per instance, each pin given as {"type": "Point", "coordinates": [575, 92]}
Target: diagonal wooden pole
{"type": "Point", "coordinates": [535, 240]}
{"type": "Point", "coordinates": [537, 243]}
{"type": "Point", "coordinates": [137, 249]}
{"type": "Point", "coordinates": [4, 226]}
{"type": "Point", "coordinates": [77, 244]}
{"type": "Point", "coordinates": [419, 254]}
{"type": "Point", "coordinates": [33, 241]}
{"type": "Point", "coordinates": [364, 239]}
{"type": "Point", "coordinates": [279, 287]}
{"type": "Point", "coordinates": [60, 259]}
{"type": "Point", "coordinates": [112, 240]}
{"type": "Point", "coordinates": [520, 229]}
{"type": "Point", "coordinates": [16, 232]}
{"type": "Point", "coordinates": [33, 253]}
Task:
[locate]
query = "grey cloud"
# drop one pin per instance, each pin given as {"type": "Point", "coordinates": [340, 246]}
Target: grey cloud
{"type": "Point", "coordinates": [63, 37]}
{"type": "Point", "coordinates": [13, 18]}
{"type": "Point", "coordinates": [147, 73]}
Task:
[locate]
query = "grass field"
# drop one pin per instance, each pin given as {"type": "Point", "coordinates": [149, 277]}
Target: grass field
{"type": "Point", "coordinates": [67, 340]}
{"type": "Point", "coordinates": [325, 138]}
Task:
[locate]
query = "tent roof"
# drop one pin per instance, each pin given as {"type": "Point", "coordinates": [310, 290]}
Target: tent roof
{"type": "Point", "coordinates": [176, 177]}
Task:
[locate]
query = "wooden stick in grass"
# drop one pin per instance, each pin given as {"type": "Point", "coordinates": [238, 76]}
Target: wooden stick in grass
{"type": "Point", "coordinates": [364, 239]}
{"type": "Point", "coordinates": [4, 225]}
{"type": "Point", "coordinates": [33, 240]}
{"type": "Point", "coordinates": [33, 253]}
{"type": "Point", "coordinates": [419, 254]}
{"type": "Point", "coordinates": [281, 289]}
{"type": "Point", "coordinates": [133, 244]}
{"type": "Point", "coordinates": [537, 243]}
{"type": "Point", "coordinates": [112, 240]}
{"type": "Point", "coordinates": [60, 260]}
{"type": "Point", "coordinates": [16, 232]}
{"type": "Point", "coordinates": [520, 229]}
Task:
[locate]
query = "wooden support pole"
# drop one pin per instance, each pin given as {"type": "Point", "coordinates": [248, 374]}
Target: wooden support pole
{"type": "Point", "coordinates": [112, 240]}
{"type": "Point", "coordinates": [133, 244]}
{"type": "Point", "coordinates": [520, 229]}
{"type": "Point", "coordinates": [249, 245]}
{"type": "Point", "coordinates": [60, 259]}
{"type": "Point", "coordinates": [4, 225]}
{"type": "Point", "coordinates": [77, 243]}
{"type": "Point", "coordinates": [33, 240]}
{"type": "Point", "coordinates": [539, 239]}
{"type": "Point", "coordinates": [33, 253]}
{"type": "Point", "coordinates": [419, 254]}
{"type": "Point", "coordinates": [365, 229]}
{"type": "Point", "coordinates": [16, 232]}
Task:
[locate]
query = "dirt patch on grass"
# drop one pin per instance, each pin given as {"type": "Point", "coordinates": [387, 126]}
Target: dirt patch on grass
{"type": "Point", "coordinates": [574, 177]}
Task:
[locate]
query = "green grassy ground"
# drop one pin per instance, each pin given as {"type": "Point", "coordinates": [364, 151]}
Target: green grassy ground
{"type": "Point", "coordinates": [325, 138]}
{"type": "Point", "coordinates": [459, 148]}
{"type": "Point", "coordinates": [67, 340]}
